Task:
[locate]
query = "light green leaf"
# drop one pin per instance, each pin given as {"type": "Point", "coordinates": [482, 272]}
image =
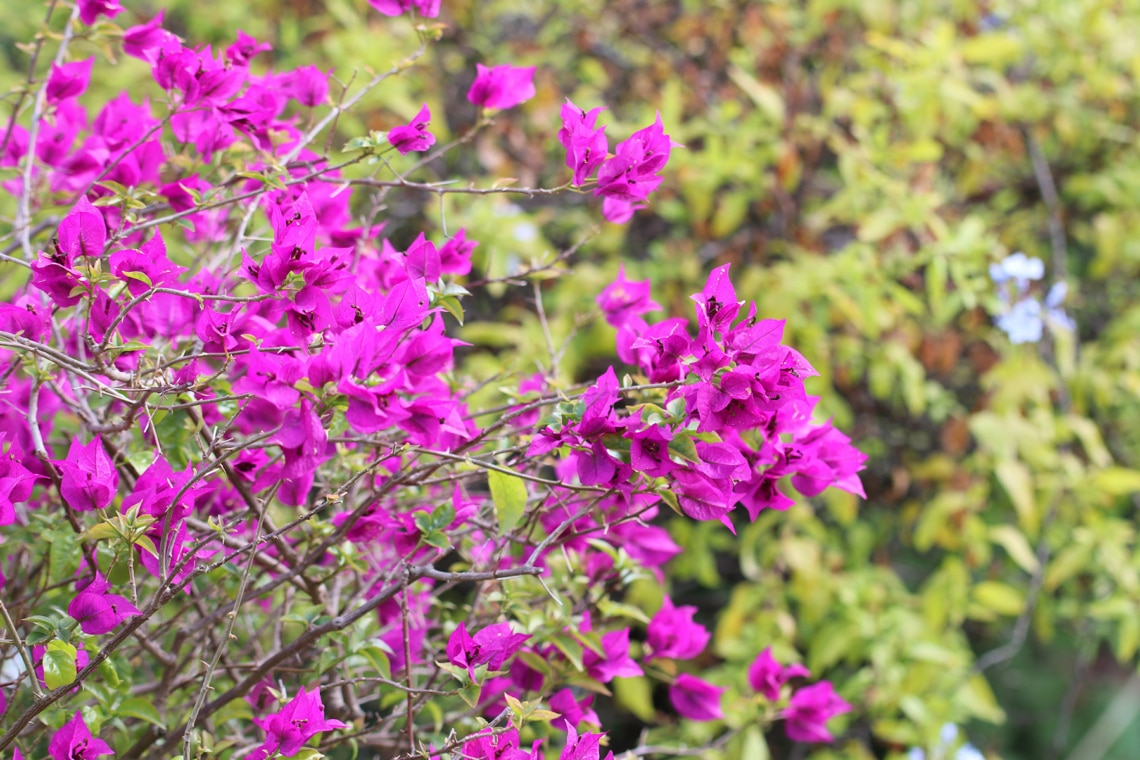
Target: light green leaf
{"type": "Point", "coordinates": [378, 659]}
{"type": "Point", "coordinates": [1015, 542]}
{"type": "Point", "coordinates": [144, 709]}
{"type": "Point", "coordinates": [307, 753]}
{"type": "Point", "coordinates": [753, 744]}
{"type": "Point", "coordinates": [59, 664]}
{"type": "Point", "coordinates": [1117, 481]}
{"type": "Point", "coordinates": [635, 695]}
{"type": "Point", "coordinates": [1015, 478]}
{"type": "Point", "coordinates": [509, 495]}
{"type": "Point", "coordinates": [999, 597]}
{"type": "Point", "coordinates": [1070, 561]}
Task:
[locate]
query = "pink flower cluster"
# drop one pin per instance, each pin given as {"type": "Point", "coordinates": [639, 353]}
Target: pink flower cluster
{"type": "Point", "coordinates": [744, 392]}
{"type": "Point", "coordinates": [627, 178]}
{"type": "Point", "coordinates": [808, 709]}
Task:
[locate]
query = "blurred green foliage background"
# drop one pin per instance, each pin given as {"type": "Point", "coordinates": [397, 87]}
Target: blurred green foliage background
{"type": "Point", "coordinates": [860, 163]}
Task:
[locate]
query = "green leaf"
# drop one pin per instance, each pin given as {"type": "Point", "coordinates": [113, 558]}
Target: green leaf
{"type": "Point", "coordinates": [509, 495]}
{"type": "Point", "coordinates": [378, 659]}
{"type": "Point", "coordinates": [1015, 478]}
{"type": "Point", "coordinates": [59, 664]}
{"type": "Point", "coordinates": [143, 709]}
{"type": "Point", "coordinates": [141, 277]}
{"type": "Point", "coordinates": [999, 597]}
{"type": "Point", "coordinates": [670, 498]}
{"type": "Point", "coordinates": [63, 559]}
{"type": "Point", "coordinates": [453, 307]}
{"type": "Point", "coordinates": [1069, 562]}
{"type": "Point", "coordinates": [830, 644]}
{"type": "Point", "coordinates": [307, 753]}
{"type": "Point", "coordinates": [572, 649]}
{"type": "Point", "coordinates": [536, 661]}
{"type": "Point", "coordinates": [636, 695]}
{"type": "Point", "coordinates": [1117, 481]}
{"type": "Point", "coordinates": [469, 693]}
{"type": "Point", "coordinates": [766, 97]}
{"type": "Point", "coordinates": [100, 531]}
{"type": "Point", "coordinates": [979, 700]}
{"type": "Point", "coordinates": [107, 672]}
{"type": "Point", "coordinates": [682, 445]}
{"type": "Point", "coordinates": [753, 745]}
{"type": "Point", "coordinates": [146, 543]}
{"type": "Point", "coordinates": [1015, 542]}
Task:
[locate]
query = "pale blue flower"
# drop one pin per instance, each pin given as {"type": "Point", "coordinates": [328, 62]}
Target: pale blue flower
{"type": "Point", "coordinates": [1019, 268]}
{"type": "Point", "coordinates": [1023, 322]}
{"type": "Point", "coordinates": [1023, 317]}
{"type": "Point", "coordinates": [943, 750]}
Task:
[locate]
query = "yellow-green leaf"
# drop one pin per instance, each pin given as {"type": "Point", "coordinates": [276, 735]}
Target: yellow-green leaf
{"type": "Point", "coordinates": [509, 495]}
{"type": "Point", "coordinates": [1017, 545]}
{"type": "Point", "coordinates": [59, 664]}
{"type": "Point", "coordinates": [1117, 481]}
{"type": "Point", "coordinates": [999, 597]}
{"type": "Point", "coordinates": [1018, 483]}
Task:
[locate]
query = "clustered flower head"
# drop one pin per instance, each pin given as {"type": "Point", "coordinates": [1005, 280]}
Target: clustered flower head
{"type": "Point", "coordinates": [808, 708]}
{"type": "Point", "coordinates": [1023, 317]}
{"type": "Point", "coordinates": [288, 729]}
{"type": "Point", "coordinates": [745, 389]}
{"type": "Point", "coordinates": [625, 179]}
{"type": "Point", "coordinates": [491, 646]}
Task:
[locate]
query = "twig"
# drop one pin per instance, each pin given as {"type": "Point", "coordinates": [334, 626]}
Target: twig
{"type": "Point", "coordinates": [1010, 649]}
{"type": "Point", "coordinates": [15, 634]}
{"type": "Point", "coordinates": [187, 733]}
{"type": "Point", "coordinates": [1052, 201]}
{"type": "Point", "coordinates": [24, 202]}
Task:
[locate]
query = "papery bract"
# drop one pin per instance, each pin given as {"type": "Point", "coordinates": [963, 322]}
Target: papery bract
{"type": "Point", "coordinates": [88, 478]}
{"type": "Point", "coordinates": [809, 710]}
{"type": "Point", "coordinates": [581, 747]}
{"type": "Point", "coordinates": [455, 254]}
{"type": "Point", "coordinates": [585, 144]}
{"type": "Point", "coordinates": [288, 729]}
{"type": "Point", "coordinates": [616, 662]}
{"type": "Point", "coordinates": [767, 676]}
{"type": "Point", "coordinates": [673, 633]}
{"type": "Point", "coordinates": [90, 10]}
{"type": "Point", "coordinates": [572, 712]}
{"type": "Point", "coordinates": [695, 698]}
{"type": "Point", "coordinates": [99, 613]}
{"type": "Point", "coordinates": [74, 742]}
{"type": "Point", "coordinates": [502, 86]}
{"type": "Point", "coordinates": [16, 481]}
{"type": "Point", "coordinates": [499, 746]}
{"type": "Point", "coordinates": [308, 85]}
{"type": "Point", "coordinates": [68, 80]}
{"type": "Point", "coordinates": [623, 300]}
{"type": "Point", "coordinates": [425, 8]}
{"type": "Point", "coordinates": [245, 48]}
{"type": "Point", "coordinates": [144, 41]}
{"type": "Point", "coordinates": [491, 646]}
{"type": "Point", "coordinates": [83, 231]}
{"type": "Point", "coordinates": [414, 135]}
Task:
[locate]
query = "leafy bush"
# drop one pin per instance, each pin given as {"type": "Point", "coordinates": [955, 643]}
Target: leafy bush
{"type": "Point", "coordinates": [252, 492]}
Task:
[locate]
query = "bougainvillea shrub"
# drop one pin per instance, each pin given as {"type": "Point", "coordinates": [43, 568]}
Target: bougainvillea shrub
{"type": "Point", "coordinates": [248, 505]}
